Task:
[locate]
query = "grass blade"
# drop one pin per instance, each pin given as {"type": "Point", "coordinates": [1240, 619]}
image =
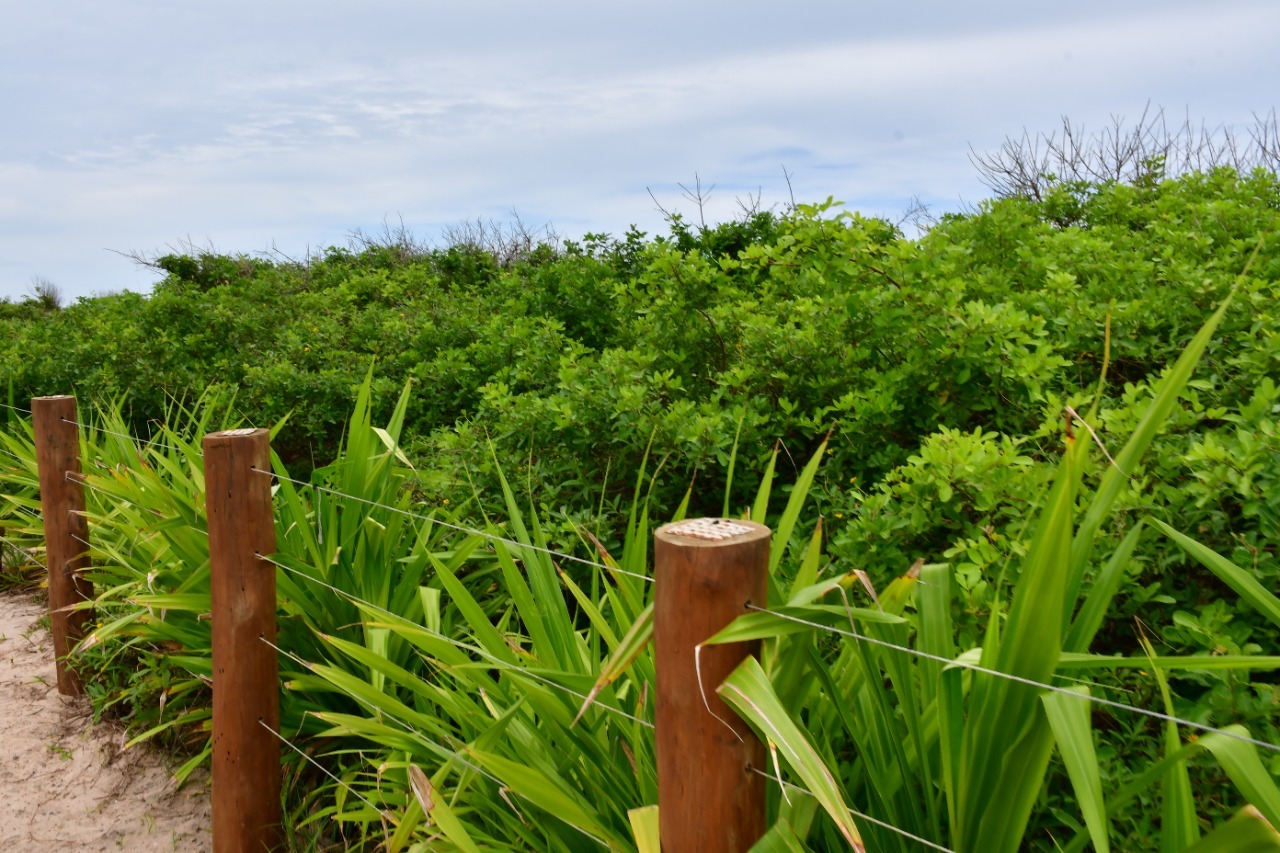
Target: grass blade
{"type": "Point", "coordinates": [1069, 718]}
{"type": "Point", "coordinates": [1242, 581]}
{"type": "Point", "coordinates": [747, 690]}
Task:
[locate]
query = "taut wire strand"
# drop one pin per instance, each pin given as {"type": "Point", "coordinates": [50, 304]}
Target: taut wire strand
{"type": "Point", "coordinates": [383, 714]}
{"type": "Point", "coordinates": [284, 740]}
{"type": "Point", "coordinates": [463, 529]}
{"type": "Point", "coordinates": [133, 438]}
{"type": "Point", "coordinates": [481, 652]}
{"type": "Point", "coordinates": [868, 818]}
{"type": "Point", "coordinates": [1168, 718]}
{"type": "Point", "coordinates": [23, 551]}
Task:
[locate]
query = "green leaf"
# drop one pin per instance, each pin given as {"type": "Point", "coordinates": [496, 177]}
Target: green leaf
{"type": "Point", "coordinates": [747, 690]}
{"type": "Point", "coordinates": [1241, 580]}
{"type": "Point", "coordinates": [1178, 823]}
{"type": "Point", "coordinates": [550, 795]}
{"type": "Point", "coordinates": [791, 515]}
{"type": "Point", "coordinates": [1127, 459]}
{"type": "Point", "coordinates": [1094, 610]}
{"type": "Point", "coordinates": [1069, 718]}
{"type": "Point", "coordinates": [632, 644]}
{"type": "Point", "coordinates": [761, 506]}
{"type": "Point", "coordinates": [780, 838]}
{"type": "Point", "coordinates": [1205, 663]}
{"type": "Point", "coordinates": [1241, 762]}
{"type": "Point", "coordinates": [759, 625]}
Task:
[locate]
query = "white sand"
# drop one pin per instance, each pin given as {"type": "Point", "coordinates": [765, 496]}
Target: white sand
{"type": "Point", "coordinates": [69, 785]}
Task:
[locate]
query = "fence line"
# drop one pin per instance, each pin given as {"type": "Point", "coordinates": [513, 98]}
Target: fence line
{"type": "Point", "coordinates": [473, 531]}
{"type": "Point", "coordinates": [497, 662]}
{"type": "Point", "coordinates": [284, 740]}
{"type": "Point", "coordinates": [132, 438]}
{"type": "Point", "coordinates": [437, 747]}
{"type": "Point", "coordinates": [338, 493]}
{"type": "Point", "coordinates": [11, 454]}
{"type": "Point", "coordinates": [852, 634]}
{"type": "Point", "coordinates": [461, 528]}
{"type": "Point", "coordinates": [516, 671]}
{"type": "Point", "coordinates": [1019, 679]}
{"type": "Point", "coordinates": [23, 551]}
{"type": "Point", "coordinates": [782, 783]}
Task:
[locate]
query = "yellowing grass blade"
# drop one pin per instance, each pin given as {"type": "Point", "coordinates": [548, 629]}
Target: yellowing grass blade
{"type": "Point", "coordinates": [644, 827]}
{"type": "Point", "coordinates": [422, 790]}
{"type": "Point", "coordinates": [747, 690]}
{"type": "Point", "coordinates": [1247, 832]}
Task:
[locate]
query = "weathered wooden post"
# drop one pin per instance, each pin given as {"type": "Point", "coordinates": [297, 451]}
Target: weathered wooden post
{"type": "Point", "coordinates": [246, 685]}
{"type": "Point", "coordinates": [706, 571]}
{"type": "Point", "coordinates": [66, 531]}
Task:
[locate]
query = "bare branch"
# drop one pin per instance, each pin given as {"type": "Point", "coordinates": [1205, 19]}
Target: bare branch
{"type": "Point", "coordinates": [1149, 149]}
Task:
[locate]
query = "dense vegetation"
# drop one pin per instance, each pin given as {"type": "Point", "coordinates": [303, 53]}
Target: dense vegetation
{"type": "Point", "coordinates": [933, 381]}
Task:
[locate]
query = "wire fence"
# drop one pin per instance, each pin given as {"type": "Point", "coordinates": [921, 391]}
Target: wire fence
{"type": "Point", "coordinates": [785, 785]}
{"type": "Point", "coordinates": [528, 548]}
{"type": "Point", "coordinates": [489, 658]}
{"type": "Point", "coordinates": [325, 770]}
{"type": "Point", "coordinates": [449, 754]}
{"type": "Point", "coordinates": [524, 546]}
{"type": "Point", "coordinates": [19, 548]}
{"type": "Point", "coordinates": [995, 673]}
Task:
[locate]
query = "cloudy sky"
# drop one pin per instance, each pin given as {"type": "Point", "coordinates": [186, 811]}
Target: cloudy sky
{"type": "Point", "coordinates": [139, 126]}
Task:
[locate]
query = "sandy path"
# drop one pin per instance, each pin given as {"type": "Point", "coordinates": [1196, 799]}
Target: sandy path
{"type": "Point", "coordinates": [70, 786]}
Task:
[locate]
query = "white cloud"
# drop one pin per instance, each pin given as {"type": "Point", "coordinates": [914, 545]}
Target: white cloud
{"type": "Point", "coordinates": [299, 129]}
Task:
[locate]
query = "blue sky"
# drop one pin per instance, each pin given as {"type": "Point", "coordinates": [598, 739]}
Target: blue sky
{"type": "Point", "coordinates": [243, 126]}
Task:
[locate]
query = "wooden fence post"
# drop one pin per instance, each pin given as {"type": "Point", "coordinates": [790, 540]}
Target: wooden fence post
{"type": "Point", "coordinates": [706, 571]}
{"type": "Point", "coordinates": [246, 685]}
{"type": "Point", "coordinates": [66, 531]}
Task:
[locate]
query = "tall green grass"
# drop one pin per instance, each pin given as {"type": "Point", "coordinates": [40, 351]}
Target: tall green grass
{"type": "Point", "coordinates": [953, 753]}
{"type": "Point", "coordinates": [471, 690]}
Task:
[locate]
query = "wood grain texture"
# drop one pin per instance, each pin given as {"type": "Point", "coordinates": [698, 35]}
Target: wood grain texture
{"type": "Point", "coordinates": [66, 531]}
{"type": "Point", "coordinates": [246, 684]}
{"type": "Point", "coordinates": [708, 798]}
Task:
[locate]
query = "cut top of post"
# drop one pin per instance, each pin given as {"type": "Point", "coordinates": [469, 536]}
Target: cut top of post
{"type": "Point", "coordinates": [710, 532]}
{"type": "Point", "coordinates": [236, 433]}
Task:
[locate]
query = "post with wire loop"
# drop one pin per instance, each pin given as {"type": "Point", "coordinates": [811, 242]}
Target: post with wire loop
{"type": "Point", "coordinates": [706, 573]}
{"type": "Point", "coordinates": [246, 686]}
{"type": "Point", "coordinates": [66, 531]}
